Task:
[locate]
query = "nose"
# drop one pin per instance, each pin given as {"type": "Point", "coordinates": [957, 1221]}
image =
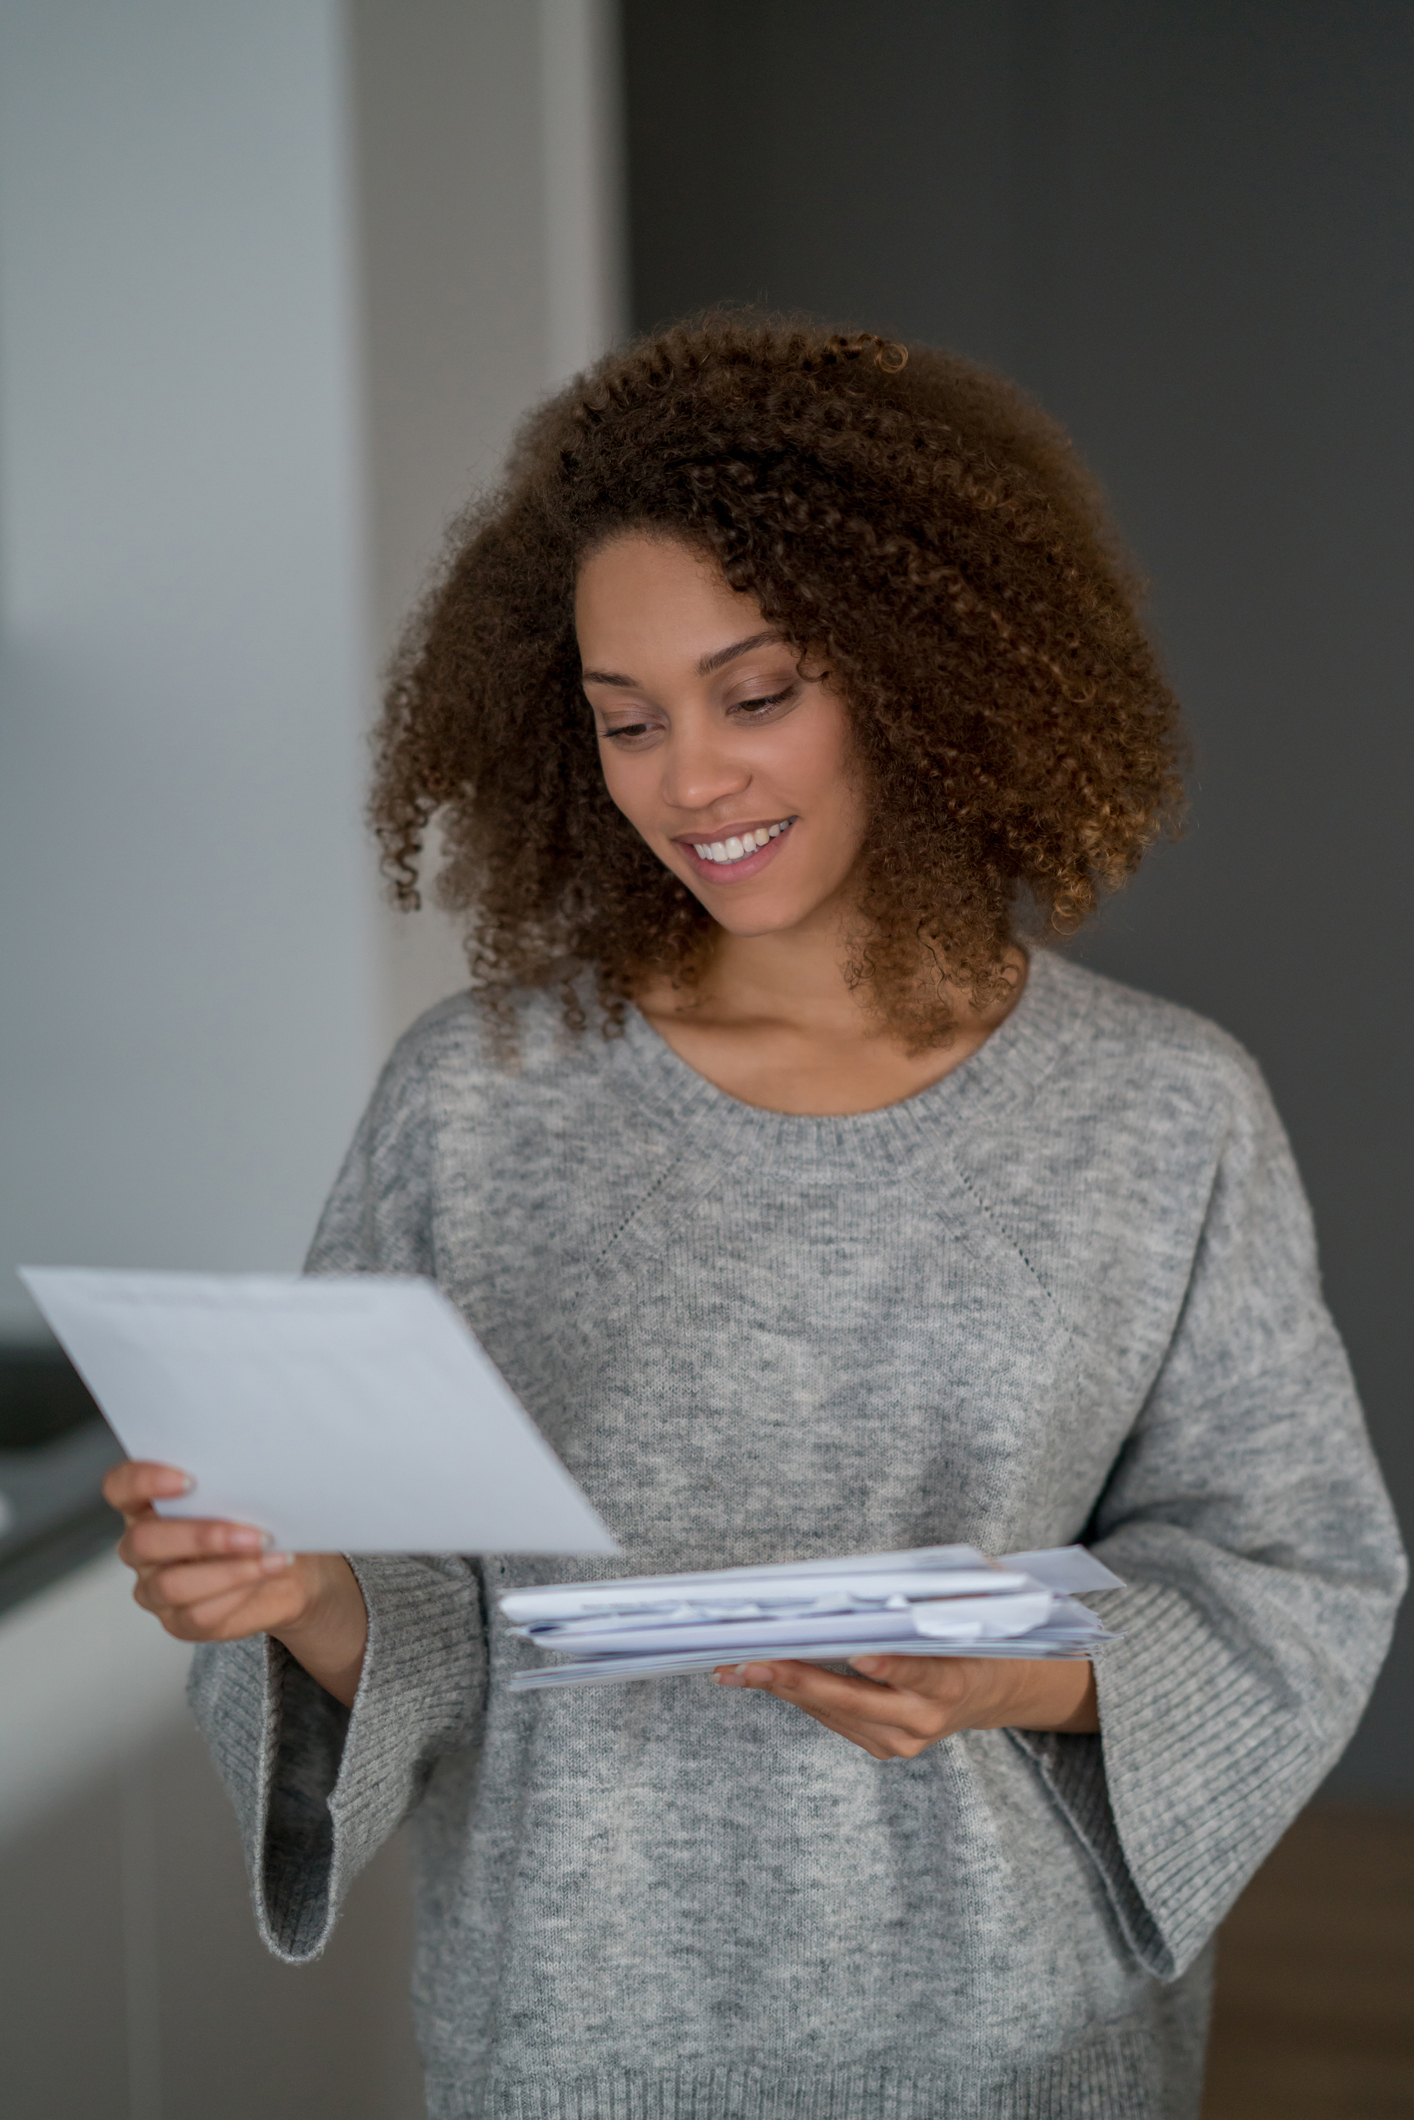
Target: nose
{"type": "Point", "coordinates": [700, 766]}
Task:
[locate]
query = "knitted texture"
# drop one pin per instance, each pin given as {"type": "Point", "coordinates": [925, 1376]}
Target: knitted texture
{"type": "Point", "coordinates": [1068, 1292]}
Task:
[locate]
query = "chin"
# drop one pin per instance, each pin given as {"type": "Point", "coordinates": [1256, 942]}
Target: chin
{"type": "Point", "coordinates": [750, 920]}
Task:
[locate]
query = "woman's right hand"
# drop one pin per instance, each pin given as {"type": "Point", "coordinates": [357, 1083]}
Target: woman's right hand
{"type": "Point", "coordinates": [208, 1580]}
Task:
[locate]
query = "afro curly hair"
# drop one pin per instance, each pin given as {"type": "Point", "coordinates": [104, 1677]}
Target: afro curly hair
{"type": "Point", "coordinates": [900, 513]}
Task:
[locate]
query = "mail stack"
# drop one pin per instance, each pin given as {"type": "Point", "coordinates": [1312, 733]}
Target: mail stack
{"type": "Point", "coordinates": [934, 1601]}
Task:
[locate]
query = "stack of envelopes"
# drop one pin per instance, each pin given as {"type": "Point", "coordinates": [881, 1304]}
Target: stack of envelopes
{"type": "Point", "coordinates": [935, 1601]}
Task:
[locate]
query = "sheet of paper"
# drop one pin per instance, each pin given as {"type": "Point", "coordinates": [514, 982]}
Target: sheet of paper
{"type": "Point", "coordinates": [348, 1413]}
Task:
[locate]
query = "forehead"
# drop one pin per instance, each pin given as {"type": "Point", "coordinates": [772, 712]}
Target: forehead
{"type": "Point", "coordinates": [640, 595]}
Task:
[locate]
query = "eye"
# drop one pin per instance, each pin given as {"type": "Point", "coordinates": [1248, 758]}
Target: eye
{"type": "Point", "coordinates": [753, 707]}
{"type": "Point", "coordinates": [628, 732]}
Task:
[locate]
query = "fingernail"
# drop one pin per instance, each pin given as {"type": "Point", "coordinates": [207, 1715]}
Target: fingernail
{"type": "Point", "coordinates": [244, 1541]}
{"type": "Point", "coordinates": [273, 1563]}
{"type": "Point", "coordinates": [727, 1678]}
{"type": "Point", "coordinates": [868, 1664]}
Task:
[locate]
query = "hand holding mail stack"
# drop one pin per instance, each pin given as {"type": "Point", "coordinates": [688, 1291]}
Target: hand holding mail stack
{"type": "Point", "coordinates": [934, 1601]}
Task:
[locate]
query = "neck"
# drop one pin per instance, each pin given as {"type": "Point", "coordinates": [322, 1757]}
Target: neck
{"type": "Point", "coordinates": [775, 1022]}
{"type": "Point", "coordinates": [797, 978]}
{"type": "Point", "coordinates": [797, 983]}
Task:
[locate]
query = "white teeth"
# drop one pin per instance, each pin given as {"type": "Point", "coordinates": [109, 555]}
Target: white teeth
{"type": "Point", "coordinates": [735, 849]}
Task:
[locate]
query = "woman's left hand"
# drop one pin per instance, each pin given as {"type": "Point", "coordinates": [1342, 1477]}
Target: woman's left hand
{"type": "Point", "coordinates": [902, 1704]}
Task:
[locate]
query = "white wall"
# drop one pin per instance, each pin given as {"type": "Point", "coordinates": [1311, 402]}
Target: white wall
{"type": "Point", "coordinates": [190, 1020]}
{"type": "Point", "coordinates": [490, 223]}
{"type": "Point", "coordinates": [275, 282]}
{"type": "Point", "coordinates": [276, 278]}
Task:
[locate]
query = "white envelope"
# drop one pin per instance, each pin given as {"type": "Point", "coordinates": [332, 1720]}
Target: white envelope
{"type": "Point", "coordinates": [341, 1413]}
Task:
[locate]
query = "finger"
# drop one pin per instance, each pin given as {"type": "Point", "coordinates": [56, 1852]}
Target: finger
{"type": "Point", "coordinates": [896, 1739]}
{"type": "Point", "coordinates": [134, 1486]}
{"type": "Point", "coordinates": [190, 1583]}
{"type": "Point", "coordinates": [880, 1745]}
{"type": "Point", "coordinates": [229, 1618]}
{"type": "Point", "coordinates": [247, 1612]}
{"type": "Point", "coordinates": [798, 1680]}
{"type": "Point", "coordinates": [879, 1740]}
{"type": "Point", "coordinates": [151, 1541]}
{"type": "Point", "coordinates": [945, 1678]}
{"type": "Point", "coordinates": [857, 1700]}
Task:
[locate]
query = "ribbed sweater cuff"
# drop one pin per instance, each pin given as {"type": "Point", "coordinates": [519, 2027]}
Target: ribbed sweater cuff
{"type": "Point", "coordinates": [1073, 1769]}
{"type": "Point", "coordinates": [337, 1783]}
{"type": "Point", "coordinates": [1207, 1761]}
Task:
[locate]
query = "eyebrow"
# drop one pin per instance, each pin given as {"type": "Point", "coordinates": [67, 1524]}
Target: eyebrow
{"type": "Point", "coordinates": [716, 661]}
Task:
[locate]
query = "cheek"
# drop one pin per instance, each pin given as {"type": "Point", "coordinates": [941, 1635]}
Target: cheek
{"type": "Point", "coordinates": [823, 770]}
{"type": "Point", "coordinates": [823, 750]}
{"type": "Point", "coordinates": [623, 784]}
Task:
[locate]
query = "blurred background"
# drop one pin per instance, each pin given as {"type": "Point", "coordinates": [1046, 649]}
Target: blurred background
{"type": "Point", "coordinates": [276, 279]}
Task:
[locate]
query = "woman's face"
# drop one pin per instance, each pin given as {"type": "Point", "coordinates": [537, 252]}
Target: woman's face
{"type": "Point", "coordinates": [731, 765]}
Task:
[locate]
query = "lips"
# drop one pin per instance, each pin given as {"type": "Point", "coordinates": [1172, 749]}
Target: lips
{"type": "Point", "coordinates": [734, 851]}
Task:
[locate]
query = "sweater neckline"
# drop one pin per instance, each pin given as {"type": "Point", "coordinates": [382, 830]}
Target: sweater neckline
{"type": "Point", "coordinates": [1003, 1072]}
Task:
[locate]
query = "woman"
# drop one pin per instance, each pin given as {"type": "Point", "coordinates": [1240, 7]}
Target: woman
{"type": "Point", "coordinates": [788, 684]}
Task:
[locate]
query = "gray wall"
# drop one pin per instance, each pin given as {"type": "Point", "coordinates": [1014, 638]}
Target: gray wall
{"type": "Point", "coordinates": [188, 951]}
{"type": "Point", "coordinates": [1188, 229]}
{"type": "Point", "coordinates": [276, 280]}
{"type": "Point", "coordinates": [276, 277]}
{"type": "Point", "coordinates": [490, 237]}
{"type": "Point", "coordinates": [190, 1023]}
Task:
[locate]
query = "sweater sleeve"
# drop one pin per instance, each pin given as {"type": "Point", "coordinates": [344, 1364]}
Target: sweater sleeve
{"type": "Point", "coordinates": [1248, 1518]}
{"type": "Point", "coordinates": [318, 1787]}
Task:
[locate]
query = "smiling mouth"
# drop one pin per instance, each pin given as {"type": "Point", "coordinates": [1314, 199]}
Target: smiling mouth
{"type": "Point", "coordinates": [726, 853]}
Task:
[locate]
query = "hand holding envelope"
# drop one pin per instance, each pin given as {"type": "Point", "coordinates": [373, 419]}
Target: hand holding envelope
{"type": "Point", "coordinates": [940, 1639]}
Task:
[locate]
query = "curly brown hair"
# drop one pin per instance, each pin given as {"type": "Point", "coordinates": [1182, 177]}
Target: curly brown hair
{"type": "Point", "coordinates": [901, 513]}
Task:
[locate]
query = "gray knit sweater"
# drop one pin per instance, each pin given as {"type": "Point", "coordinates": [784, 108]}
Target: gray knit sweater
{"type": "Point", "coordinates": [1068, 1292]}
